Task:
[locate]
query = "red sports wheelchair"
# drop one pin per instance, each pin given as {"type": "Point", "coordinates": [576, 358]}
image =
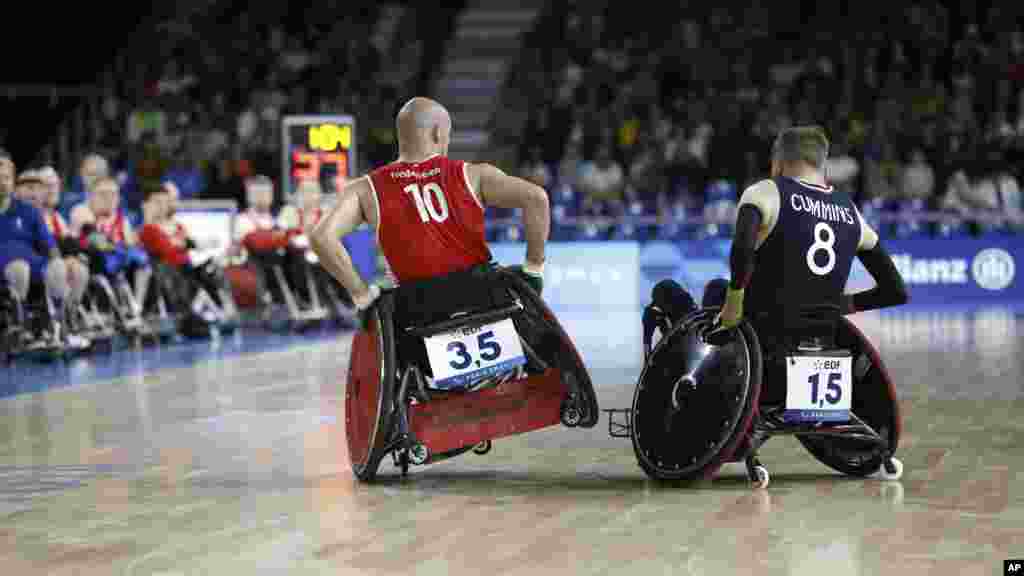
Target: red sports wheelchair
{"type": "Point", "coordinates": [445, 366]}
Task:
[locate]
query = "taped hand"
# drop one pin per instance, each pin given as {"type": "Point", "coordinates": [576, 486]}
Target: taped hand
{"type": "Point", "coordinates": [532, 275]}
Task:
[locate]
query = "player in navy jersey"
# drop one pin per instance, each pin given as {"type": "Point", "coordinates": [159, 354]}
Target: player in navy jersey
{"type": "Point", "coordinates": [796, 238]}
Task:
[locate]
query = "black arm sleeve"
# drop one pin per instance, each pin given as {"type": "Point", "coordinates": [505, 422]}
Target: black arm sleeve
{"type": "Point", "coordinates": [744, 244]}
{"type": "Point", "coordinates": [889, 290]}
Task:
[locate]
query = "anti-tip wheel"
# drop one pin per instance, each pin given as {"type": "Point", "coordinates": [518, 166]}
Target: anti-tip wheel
{"type": "Point", "coordinates": [762, 478]}
{"type": "Point", "coordinates": [891, 470]}
{"type": "Point", "coordinates": [571, 416]}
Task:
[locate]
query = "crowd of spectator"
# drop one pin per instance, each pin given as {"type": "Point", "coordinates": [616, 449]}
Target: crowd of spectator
{"type": "Point", "coordinates": [202, 108]}
{"type": "Point", "coordinates": [925, 108]}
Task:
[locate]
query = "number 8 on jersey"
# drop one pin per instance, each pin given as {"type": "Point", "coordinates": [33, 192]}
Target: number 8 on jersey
{"type": "Point", "coordinates": [824, 244]}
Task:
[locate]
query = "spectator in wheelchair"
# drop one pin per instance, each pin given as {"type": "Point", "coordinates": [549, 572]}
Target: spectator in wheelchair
{"type": "Point", "coordinates": [49, 185]}
{"type": "Point", "coordinates": [794, 245]}
{"type": "Point", "coordinates": [106, 235]}
{"type": "Point", "coordinates": [299, 220]}
{"type": "Point", "coordinates": [190, 280]}
{"type": "Point", "coordinates": [261, 241]}
{"type": "Point", "coordinates": [428, 210]}
{"type": "Point", "coordinates": [31, 263]}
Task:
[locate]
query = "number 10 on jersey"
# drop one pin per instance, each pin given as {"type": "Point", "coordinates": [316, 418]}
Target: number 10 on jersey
{"type": "Point", "coordinates": [818, 388]}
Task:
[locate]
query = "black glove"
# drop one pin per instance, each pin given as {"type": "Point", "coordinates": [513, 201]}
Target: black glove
{"type": "Point", "coordinates": [532, 279]}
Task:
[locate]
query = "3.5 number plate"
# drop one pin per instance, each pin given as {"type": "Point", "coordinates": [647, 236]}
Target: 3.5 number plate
{"type": "Point", "coordinates": [467, 354]}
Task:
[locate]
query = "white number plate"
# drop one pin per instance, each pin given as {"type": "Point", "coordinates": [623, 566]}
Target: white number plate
{"type": "Point", "coordinates": [461, 356]}
{"type": "Point", "coordinates": [818, 388]}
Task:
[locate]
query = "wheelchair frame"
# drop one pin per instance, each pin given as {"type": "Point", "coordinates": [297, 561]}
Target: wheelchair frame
{"type": "Point", "coordinates": [418, 426]}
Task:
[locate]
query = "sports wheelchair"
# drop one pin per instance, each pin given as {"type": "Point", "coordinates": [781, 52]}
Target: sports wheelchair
{"type": "Point", "coordinates": [707, 397]}
{"type": "Point", "coordinates": [444, 366]}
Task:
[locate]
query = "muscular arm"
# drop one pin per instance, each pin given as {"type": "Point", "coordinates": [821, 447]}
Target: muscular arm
{"type": "Point", "coordinates": [495, 188]}
{"type": "Point", "coordinates": [889, 288]}
{"type": "Point", "coordinates": [344, 217]}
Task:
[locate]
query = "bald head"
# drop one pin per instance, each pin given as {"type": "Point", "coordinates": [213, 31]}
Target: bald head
{"type": "Point", "coordinates": [424, 128]}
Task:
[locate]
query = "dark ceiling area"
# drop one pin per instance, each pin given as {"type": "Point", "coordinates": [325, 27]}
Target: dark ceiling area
{"type": "Point", "coordinates": [65, 45]}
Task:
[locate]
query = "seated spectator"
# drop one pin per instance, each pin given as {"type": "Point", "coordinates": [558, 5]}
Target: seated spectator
{"type": "Point", "coordinates": [184, 272]}
{"type": "Point", "coordinates": [306, 212]}
{"type": "Point", "coordinates": [106, 235]}
{"type": "Point", "coordinates": [646, 176]}
{"type": "Point", "coordinates": [535, 170]}
{"type": "Point", "coordinates": [92, 168]}
{"type": "Point", "coordinates": [298, 220]}
{"type": "Point", "coordinates": [26, 188]}
{"type": "Point", "coordinates": [602, 184]}
{"type": "Point", "coordinates": [258, 238]}
{"type": "Point", "coordinates": [918, 178]}
{"type": "Point", "coordinates": [842, 169]}
{"type": "Point", "coordinates": [49, 200]}
{"type": "Point", "coordinates": [28, 253]}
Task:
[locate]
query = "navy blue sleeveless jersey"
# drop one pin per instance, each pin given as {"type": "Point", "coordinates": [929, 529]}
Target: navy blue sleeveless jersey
{"type": "Point", "coordinates": [806, 258]}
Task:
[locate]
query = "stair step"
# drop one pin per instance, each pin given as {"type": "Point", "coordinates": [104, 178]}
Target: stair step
{"type": "Point", "coordinates": [469, 84]}
{"type": "Point", "coordinates": [520, 18]}
{"type": "Point", "coordinates": [488, 32]}
{"type": "Point", "coordinates": [491, 68]}
{"type": "Point", "coordinates": [509, 5]}
{"type": "Point", "coordinates": [497, 50]}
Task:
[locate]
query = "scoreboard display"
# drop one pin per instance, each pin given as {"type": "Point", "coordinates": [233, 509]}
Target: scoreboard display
{"type": "Point", "coordinates": [321, 148]}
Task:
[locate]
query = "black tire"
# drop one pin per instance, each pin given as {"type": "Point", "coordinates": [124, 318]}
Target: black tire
{"type": "Point", "coordinates": [660, 454]}
{"type": "Point", "coordinates": [874, 401]}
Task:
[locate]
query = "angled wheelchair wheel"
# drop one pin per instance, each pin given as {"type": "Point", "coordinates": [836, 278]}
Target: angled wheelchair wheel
{"type": "Point", "coordinates": [575, 371]}
{"type": "Point", "coordinates": [874, 401]}
{"type": "Point", "coordinates": [695, 402]}
{"type": "Point", "coordinates": [369, 393]}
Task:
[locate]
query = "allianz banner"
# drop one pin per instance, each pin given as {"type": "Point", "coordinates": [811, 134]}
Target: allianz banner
{"type": "Point", "coordinates": [938, 272]}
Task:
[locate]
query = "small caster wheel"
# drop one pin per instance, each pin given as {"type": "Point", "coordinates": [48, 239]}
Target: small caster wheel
{"type": "Point", "coordinates": [571, 416]}
{"type": "Point", "coordinates": [403, 463]}
{"type": "Point", "coordinates": [419, 454]}
{"type": "Point", "coordinates": [891, 470]}
{"type": "Point", "coordinates": [892, 493]}
{"type": "Point", "coordinates": [762, 478]}
{"type": "Point", "coordinates": [482, 448]}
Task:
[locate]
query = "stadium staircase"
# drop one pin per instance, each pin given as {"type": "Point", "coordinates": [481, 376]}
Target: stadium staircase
{"type": "Point", "coordinates": [488, 36]}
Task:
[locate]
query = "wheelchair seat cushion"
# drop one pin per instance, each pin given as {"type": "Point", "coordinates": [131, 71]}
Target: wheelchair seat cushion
{"type": "Point", "coordinates": [473, 291]}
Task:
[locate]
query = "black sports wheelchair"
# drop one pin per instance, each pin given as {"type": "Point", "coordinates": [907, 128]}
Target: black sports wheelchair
{"type": "Point", "coordinates": [443, 366]}
{"type": "Point", "coordinates": [707, 397]}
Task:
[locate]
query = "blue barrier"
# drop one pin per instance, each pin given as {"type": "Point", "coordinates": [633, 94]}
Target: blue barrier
{"type": "Point", "coordinates": [965, 273]}
{"type": "Point", "coordinates": [598, 288]}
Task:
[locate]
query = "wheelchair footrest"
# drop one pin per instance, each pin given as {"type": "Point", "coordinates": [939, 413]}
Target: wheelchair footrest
{"type": "Point", "coordinates": [511, 408]}
{"type": "Point", "coordinates": [620, 422]}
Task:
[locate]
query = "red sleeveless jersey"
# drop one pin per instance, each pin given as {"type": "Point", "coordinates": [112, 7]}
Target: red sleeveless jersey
{"type": "Point", "coordinates": [430, 222]}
